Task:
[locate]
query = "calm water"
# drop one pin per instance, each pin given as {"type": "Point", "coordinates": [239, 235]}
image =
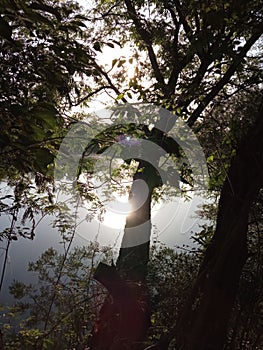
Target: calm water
{"type": "Point", "coordinates": [172, 225]}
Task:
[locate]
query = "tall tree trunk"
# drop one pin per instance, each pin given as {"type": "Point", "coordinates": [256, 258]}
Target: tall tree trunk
{"type": "Point", "coordinates": [203, 324]}
{"type": "Point", "coordinates": [1, 341]}
{"type": "Point", "coordinates": [124, 317]}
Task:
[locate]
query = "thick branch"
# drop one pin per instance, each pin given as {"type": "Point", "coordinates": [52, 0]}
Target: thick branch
{"type": "Point", "coordinates": [175, 70]}
{"type": "Point", "coordinates": [183, 20]}
{"type": "Point", "coordinates": [146, 38]}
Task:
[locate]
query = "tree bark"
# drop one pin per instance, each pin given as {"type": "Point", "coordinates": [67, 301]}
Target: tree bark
{"type": "Point", "coordinates": [124, 316]}
{"type": "Point", "coordinates": [203, 324]}
{"type": "Point", "coordinates": [1, 341]}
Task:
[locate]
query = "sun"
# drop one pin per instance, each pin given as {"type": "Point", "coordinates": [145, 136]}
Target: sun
{"type": "Point", "coordinates": [116, 212]}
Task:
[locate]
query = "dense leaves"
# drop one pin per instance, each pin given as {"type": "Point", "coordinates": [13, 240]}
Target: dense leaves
{"type": "Point", "coordinates": [188, 52]}
{"type": "Point", "coordinates": [42, 57]}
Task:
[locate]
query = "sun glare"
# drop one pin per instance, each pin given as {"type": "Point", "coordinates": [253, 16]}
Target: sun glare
{"type": "Point", "coordinates": [116, 212]}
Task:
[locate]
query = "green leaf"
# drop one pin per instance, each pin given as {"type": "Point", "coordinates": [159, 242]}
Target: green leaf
{"type": "Point", "coordinates": [43, 159]}
{"type": "Point", "coordinates": [45, 8]}
{"type": "Point", "coordinates": [46, 117]}
{"type": "Point", "coordinates": [210, 158]}
{"type": "Point", "coordinates": [79, 24]}
{"type": "Point", "coordinates": [121, 62]}
{"type": "Point", "coordinates": [36, 17]}
{"type": "Point", "coordinates": [120, 96]}
{"type": "Point", "coordinates": [114, 62]}
{"type": "Point", "coordinates": [97, 46]}
{"type": "Point", "coordinates": [36, 133]}
{"type": "Point", "coordinates": [110, 45]}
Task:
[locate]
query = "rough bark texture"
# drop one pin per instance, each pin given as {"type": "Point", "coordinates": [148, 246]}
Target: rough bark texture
{"type": "Point", "coordinates": [203, 324]}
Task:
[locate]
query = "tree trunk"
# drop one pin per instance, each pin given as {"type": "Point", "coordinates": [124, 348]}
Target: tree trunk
{"type": "Point", "coordinates": [203, 324]}
{"type": "Point", "coordinates": [1, 341]}
{"type": "Point", "coordinates": [124, 317]}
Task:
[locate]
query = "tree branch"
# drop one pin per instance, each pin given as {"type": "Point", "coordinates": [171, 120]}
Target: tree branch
{"type": "Point", "coordinates": [111, 85]}
{"type": "Point", "coordinates": [227, 76]}
{"type": "Point", "coordinates": [193, 89]}
{"type": "Point", "coordinates": [146, 38]}
{"type": "Point", "coordinates": [175, 71]}
{"type": "Point", "coordinates": [187, 28]}
{"type": "Point", "coordinates": [94, 92]}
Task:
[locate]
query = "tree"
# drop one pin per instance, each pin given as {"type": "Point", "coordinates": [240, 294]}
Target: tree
{"type": "Point", "coordinates": [194, 53]}
{"type": "Point", "coordinates": [226, 255]}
